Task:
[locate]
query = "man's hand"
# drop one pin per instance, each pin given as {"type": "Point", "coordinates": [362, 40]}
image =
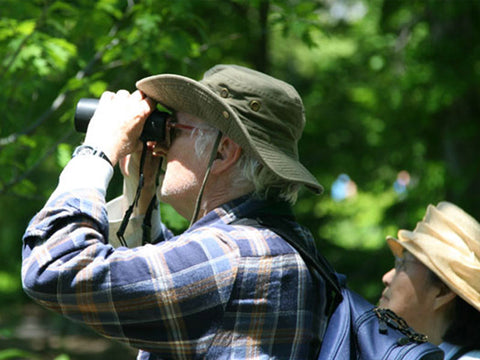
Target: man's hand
{"type": "Point", "coordinates": [116, 126]}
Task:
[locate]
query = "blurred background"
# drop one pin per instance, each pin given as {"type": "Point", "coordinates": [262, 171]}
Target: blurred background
{"type": "Point", "coordinates": [391, 90]}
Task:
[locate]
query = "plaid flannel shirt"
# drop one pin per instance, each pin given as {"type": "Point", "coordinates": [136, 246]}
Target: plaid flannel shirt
{"type": "Point", "coordinates": [217, 291]}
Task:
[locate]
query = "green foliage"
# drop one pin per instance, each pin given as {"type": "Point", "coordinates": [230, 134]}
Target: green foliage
{"type": "Point", "coordinates": [9, 283]}
{"type": "Point", "coordinates": [356, 223]}
{"type": "Point", "coordinates": [17, 354]}
{"type": "Point", "coordinates": [387, 85]}
{"type": "Point", "coordinates": [173, 220]}
{"type": "Point", "coordinates": [64, 154]}
{"type": "Point", "coordinates": [62, 357]}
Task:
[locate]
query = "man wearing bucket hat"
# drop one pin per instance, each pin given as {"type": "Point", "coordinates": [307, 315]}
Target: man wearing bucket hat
{"type": "Point", "coordinates": [435, 284]}
{"type": "Point", "coordinates": [223, 288]}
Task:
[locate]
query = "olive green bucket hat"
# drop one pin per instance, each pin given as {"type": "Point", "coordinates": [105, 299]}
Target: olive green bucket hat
{"type": "Point", "coordinates": [264, 115]}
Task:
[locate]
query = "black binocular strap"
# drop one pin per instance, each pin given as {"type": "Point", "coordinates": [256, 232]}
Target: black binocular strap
{"type": "Point", "coordinates": [146, 226]}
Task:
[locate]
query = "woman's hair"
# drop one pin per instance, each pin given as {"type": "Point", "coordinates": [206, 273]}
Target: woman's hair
{"type": "Point", "coordinates": [464, 329]}
{"type": "Point", "coordinates": [250, 171]}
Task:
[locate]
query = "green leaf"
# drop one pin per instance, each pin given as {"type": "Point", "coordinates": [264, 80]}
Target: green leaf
{"type": "Point", "coordinates": [64, 154]}
{"type": "Point", "coordinates": [9, 283]}
{"type": "Point", "coordinates": [172, 219]}
{"type": "Point", "coordinates": [60, 52]}
{"type": "Point", "coordinates": [16, 354]}
{"type": "Point", "coordinates": [25, 27]}
{"type": "Point", "coordinates": [97, 88]}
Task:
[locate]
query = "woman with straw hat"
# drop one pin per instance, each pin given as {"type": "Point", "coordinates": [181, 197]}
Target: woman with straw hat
{"type": "Point", "coordinates": [435, 284]}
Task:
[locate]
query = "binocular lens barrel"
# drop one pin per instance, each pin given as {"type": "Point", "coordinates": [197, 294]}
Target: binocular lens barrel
{"type": "Point", "coordinates": [84, 112]}
{"type": "Point", "coordinates": [153, 130]}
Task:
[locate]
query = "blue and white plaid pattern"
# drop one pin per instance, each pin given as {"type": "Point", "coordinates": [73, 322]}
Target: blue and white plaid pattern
{"type": "Point", "coordinates": [217, 291]}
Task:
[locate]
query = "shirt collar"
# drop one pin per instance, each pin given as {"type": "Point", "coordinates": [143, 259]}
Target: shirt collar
{"type": "Point", "coordinates": [245, 206]}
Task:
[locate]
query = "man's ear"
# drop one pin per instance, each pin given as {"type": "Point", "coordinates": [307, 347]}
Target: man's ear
{"type": "Point", "coordinates": [227, 155]}
{"type": "Point", "coordinates": [444, 297]}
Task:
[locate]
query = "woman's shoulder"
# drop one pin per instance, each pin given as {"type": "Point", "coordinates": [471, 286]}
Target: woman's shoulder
{"type": "Point", "coordinates": [471, 355]}
{"type": "Point", "coordinates": [455, 352]}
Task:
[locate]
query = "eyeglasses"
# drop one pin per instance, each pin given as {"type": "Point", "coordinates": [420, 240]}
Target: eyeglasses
{"type": "Point", "coordinates": [175, 125]}
{"type": "Point", "coordinates": [401, 261]}
{"type": "Point", "coordinates": [172, 126]}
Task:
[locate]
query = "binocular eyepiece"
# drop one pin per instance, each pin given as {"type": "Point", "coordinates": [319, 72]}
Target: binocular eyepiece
{"type": "Point", "coordinates": [153, 130]}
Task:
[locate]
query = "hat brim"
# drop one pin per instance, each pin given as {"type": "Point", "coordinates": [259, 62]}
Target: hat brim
{"type": "Point", "coordinates": [183, 94]}
{"type": "Point", "coordinates": [409, 241]}
{"type": "Point", "coordinates": [395, 246]}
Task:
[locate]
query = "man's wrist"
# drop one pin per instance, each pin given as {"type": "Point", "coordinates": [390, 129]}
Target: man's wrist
{"type": "Point", "coordinates": [87, 150]}
{"type": "Point", "coordinates": [83, 173]}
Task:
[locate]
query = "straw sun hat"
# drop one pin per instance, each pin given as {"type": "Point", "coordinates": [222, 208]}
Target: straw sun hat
{"type": "Point", "coordinates": [447, 241]}
{"type": "Point", "coordinates": [264, 115]}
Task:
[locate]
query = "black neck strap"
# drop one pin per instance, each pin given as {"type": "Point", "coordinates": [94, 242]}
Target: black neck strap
{"type": "Point", "coordinates": [146, 226]}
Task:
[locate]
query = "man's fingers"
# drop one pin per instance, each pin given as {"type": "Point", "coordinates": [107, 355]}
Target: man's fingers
{"type": "Point", "coordinates": [123, 93]}
{"type": "Point", "coordinates": [138, 95]}
{"type": "Point", "coordinates": [107, 95]}
{"type": "Point", "coordinates": [123, 164]}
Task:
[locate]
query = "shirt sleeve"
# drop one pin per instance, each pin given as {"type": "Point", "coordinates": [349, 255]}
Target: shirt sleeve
{"type": "Point", "coordinates": [85, 172]}
{"type": "Point", "coordinates": [150, 296]}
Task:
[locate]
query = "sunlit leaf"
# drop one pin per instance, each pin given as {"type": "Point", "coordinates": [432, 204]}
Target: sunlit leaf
{"type": "Point", "coordinates": [64, 154]}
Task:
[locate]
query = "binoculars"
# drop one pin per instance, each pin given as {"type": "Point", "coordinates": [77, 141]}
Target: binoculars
{"type": "Point", "coordinates": [153, 130]}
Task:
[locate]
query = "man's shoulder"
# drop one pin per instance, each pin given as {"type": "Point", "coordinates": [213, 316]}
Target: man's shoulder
{"type": "Point", "coordinates": [254, 239]}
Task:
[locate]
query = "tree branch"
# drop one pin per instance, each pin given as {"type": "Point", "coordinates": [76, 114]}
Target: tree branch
{"type": "Point", "coordinates": [4, 189]}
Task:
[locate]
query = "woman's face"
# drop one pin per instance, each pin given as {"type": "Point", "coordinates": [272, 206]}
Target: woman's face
{"type": "Point", "coordinates": [410, 292]}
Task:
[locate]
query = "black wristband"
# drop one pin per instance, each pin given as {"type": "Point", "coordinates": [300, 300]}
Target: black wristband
{"type": "Point", "coordinates": [90, 150]}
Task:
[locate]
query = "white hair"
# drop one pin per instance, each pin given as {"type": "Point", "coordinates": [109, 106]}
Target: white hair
{"type": "Point", "coordinates": [249, 171]}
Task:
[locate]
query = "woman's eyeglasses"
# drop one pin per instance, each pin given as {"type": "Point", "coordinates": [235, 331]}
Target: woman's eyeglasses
{"type": "Point", "coordinates": [401, 261]}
